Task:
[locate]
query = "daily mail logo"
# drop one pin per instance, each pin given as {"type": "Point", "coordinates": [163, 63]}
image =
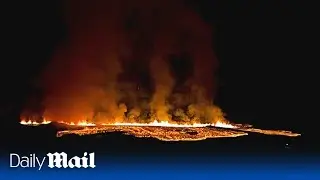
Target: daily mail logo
{"type": "Point", "coordinates": [54, 160]}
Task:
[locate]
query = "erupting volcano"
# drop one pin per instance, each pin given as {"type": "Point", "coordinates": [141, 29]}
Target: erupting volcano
{"type": "Point", "coordinates": [144, 68]}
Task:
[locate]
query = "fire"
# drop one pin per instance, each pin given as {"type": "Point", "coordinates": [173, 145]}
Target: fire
{"type": "Point", "coordinates": [160, 124]}
{"type": "Point", "coordinates": [155, 123]}
{"type": "Point", "coordinates": [34, 123]}
{"type": "Point", "coordinates": [168, 124]}
{"type": "Point", "coordinates": [223, 125]}
{"type": "Point", "coordinates": [82, 123]}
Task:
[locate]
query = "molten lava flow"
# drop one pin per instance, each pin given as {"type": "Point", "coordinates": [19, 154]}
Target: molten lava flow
{"type": "Point", "coordinates": [174, 132]}
{"type": "Point", "coordinates": [164, 130]}
{"type": "Point", "coordinates": [161, 133]}
{"type": "Point", "coordinates": [271, 132]}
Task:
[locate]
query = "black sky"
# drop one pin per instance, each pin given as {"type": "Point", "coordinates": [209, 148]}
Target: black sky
{"type": "Point", "coordinates": [259, 45]}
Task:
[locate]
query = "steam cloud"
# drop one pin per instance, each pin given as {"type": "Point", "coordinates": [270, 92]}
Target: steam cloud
{"type": "Point", "coordinates": [124, 61]}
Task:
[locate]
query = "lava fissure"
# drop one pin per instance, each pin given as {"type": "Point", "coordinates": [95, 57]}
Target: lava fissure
{"type": "Point", "coordinates": [165, 131]}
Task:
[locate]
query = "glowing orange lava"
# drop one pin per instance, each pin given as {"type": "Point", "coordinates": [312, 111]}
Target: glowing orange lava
{"type": "Point", "coordinates": [163, 130]}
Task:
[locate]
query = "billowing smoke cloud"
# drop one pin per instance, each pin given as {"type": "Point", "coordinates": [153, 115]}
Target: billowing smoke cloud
{"type": "Point", "coordinates": [118, 64]}
{"type": "Point", "coordinates": [82, 76]}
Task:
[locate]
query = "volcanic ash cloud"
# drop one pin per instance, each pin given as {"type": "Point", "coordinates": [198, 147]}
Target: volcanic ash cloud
{"type": "Point", "coordinates": [112, 39]}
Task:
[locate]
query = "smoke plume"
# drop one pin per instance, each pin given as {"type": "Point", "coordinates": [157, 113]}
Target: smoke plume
{"type": "Point", "coordinates": [132, 61]}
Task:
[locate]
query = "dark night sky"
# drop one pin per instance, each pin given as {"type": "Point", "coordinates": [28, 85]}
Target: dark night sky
{"type": "Point", "coordinates": [259, 45]}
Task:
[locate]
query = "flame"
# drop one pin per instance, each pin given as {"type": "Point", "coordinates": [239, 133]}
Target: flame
{"type": "Point", "coordinates": [80, 123]}
{"type": "Point", "coordinates": [223, 125]}
{"type": "Point", "coordinates": [168, 124]}
{"type": "Point", "coordinates": [34, 123]}
{"type": "Point", "coordinates": [155, 123]}
{"type": "Point", "coordinates": [162, 124]}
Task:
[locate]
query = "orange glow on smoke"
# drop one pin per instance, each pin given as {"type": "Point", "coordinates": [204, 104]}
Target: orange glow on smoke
{"type": "Point", "coordinates": [111, 74]}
